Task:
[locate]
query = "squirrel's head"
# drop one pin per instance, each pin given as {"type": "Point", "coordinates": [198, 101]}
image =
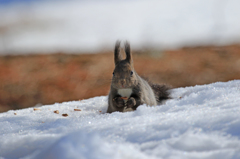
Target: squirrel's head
{"type": "Point", "coordinates": [124, 75]}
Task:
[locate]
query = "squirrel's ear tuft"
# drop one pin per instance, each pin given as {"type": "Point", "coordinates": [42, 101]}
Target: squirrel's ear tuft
{"type": "Point", "coordinates": [117, 55]}
{"type": "Point", "coordinates": [128, 52]}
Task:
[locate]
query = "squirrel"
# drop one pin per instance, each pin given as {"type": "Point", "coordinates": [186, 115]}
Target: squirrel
{"type": "Point", "coordinates": [128, 90]}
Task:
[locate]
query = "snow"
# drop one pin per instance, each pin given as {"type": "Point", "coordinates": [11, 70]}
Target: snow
{"type": "Point", "coordinates": [87, 26]}
{"type": "Point", "coordinates": [199, 122]}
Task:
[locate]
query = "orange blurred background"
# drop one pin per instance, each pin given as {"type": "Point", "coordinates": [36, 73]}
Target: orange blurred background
{"type": "Point", "coordinates": [28, 80]}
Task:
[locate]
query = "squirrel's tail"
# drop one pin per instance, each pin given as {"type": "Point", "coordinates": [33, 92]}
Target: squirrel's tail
{"type": "Point", "coordinates": [162, 92]}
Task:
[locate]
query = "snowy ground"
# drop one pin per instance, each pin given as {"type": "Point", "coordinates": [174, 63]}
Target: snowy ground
{"type": "Point", "coordinates": [80, 26]}
{"type": "Point", "coordinates": [199, 122]}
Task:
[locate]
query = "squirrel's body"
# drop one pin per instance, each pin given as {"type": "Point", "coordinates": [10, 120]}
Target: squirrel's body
{"type": "Point", "coordinates": [128, 90]}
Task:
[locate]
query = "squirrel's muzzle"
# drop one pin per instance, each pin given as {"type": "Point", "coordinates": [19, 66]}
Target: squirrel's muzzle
{"type": "Point", "coordinates": [123, 82]}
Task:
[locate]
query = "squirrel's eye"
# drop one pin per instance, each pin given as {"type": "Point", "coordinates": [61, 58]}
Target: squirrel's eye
{"type": "Point", "coordinates": [131, 73]}
{"type": "Point", "coordinates": [113, 74]}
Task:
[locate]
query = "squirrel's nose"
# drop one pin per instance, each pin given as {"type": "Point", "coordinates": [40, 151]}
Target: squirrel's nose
{"type": "Point", "coordinates": [123, 81]}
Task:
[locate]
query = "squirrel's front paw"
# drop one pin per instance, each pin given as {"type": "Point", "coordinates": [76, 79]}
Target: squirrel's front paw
{"type": "Point", "coordinates": [131, 102]}
{"type": "Point", "coordinates": [119, 102]}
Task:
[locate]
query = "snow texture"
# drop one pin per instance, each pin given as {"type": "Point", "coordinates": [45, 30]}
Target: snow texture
{"type": "Point", "coordinates": [200, 122]}
{"type": "Point", "coordinates": [89, 26]}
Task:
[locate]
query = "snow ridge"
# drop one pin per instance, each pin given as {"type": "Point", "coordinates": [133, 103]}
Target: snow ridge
{"type": "Point", "coordinates": [199, 122]}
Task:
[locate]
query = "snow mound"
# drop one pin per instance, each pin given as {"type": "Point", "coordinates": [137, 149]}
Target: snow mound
{"type": "Point", "coordinates": [199, 122]}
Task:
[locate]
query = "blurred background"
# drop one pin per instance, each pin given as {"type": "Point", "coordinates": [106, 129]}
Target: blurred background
{"type": "Point", "coordinates": [62, 50]}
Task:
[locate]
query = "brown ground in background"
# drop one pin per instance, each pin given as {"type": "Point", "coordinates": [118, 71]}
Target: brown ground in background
{"type": "Point", "coordinates": [28, 80]}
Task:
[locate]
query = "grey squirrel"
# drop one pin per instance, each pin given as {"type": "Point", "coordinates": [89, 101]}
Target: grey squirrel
{"type": "Point", "coordinates": [128, 90]}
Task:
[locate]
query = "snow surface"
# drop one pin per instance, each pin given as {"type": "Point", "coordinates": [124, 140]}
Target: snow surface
{"type": "Point", "coordinates": [88, 26]}
{"type": "Point", "coordinates": [200, 122]}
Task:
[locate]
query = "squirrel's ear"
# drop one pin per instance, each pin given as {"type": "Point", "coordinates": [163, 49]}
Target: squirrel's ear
{"type": "Point", "coordinates": [128, 52]}
{"type": "Point", "coordinates": [117, 55]}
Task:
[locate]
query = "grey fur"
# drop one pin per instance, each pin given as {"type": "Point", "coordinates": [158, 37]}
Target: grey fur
{"type": "Point", "coordinates": [128, 52]}
{"type": "Point", "coordinates": [117, 55]}
{"type": "Point", "coordinates": [124, 76]}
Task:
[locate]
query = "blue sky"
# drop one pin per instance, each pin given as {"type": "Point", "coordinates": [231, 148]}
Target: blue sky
{"type": "Point", "coordinates": [14, 1]}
